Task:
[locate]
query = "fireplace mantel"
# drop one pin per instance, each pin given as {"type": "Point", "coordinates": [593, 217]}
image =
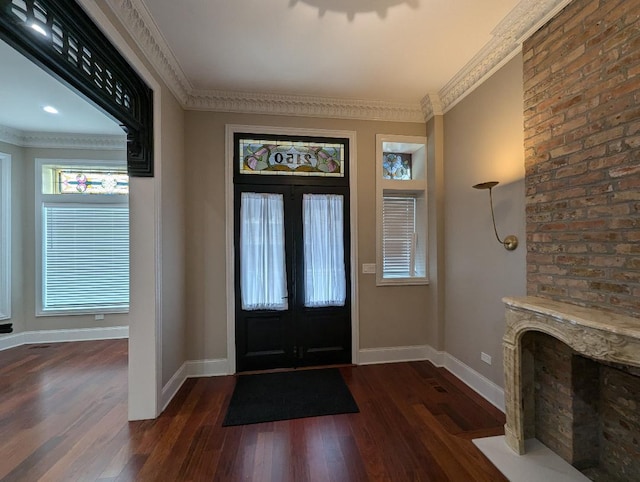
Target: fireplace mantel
{"type": "Point", "coordinates": [594, 333]}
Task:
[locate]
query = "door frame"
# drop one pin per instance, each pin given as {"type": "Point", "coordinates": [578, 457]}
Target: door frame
{"type": "Point", "coordinates": [232, 129]}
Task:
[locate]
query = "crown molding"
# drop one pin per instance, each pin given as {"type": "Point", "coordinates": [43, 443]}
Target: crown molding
{"type": "Point", "coordinates": [11, 136]}
{"type": "Point", "coordinates": [50, 140]}
{"type": "Point", "coordinates": [136, 18]}
{"type": "Point", "coordinates": [427, 107]}
{"type": "Point", "coordinates": [525, 18]}
{"type": "Point", "coordinates": [431, 105]}
{"type": "Point", "coordinates": [304, 106]}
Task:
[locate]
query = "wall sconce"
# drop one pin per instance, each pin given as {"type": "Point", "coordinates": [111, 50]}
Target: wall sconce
{"type": "Point", "coordinates": [510, 242]}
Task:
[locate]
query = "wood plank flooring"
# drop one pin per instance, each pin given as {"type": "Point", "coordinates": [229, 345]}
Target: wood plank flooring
{"type": "Point", "coordinates": [63, 410]}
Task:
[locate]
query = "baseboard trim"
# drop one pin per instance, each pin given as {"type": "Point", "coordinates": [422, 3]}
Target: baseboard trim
{"type": "Point", "coordinates": [493, 393]}
{"type": "Point", "coordinates": [192, 369]}
{"type": "Point", "coordinates": [396, 354]}
{"type": "Point", "coordinates": [173, 385]}
{"type": "Point", "coordinates": [60, 336]}
{"type": "Point", "coordinates": [436, 357]}
{"type": "Point", "coordinates": [12, 341]}
{"type": "Point", "coordinates": [207, 368]}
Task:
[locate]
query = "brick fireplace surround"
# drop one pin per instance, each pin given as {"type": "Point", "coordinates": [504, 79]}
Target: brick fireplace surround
{"type": "Point", "coordinates": [572, 347]}
{"type": "Point", "coordinates": [572, 380]}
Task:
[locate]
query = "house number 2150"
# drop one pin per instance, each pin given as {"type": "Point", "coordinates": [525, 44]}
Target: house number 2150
{"type": "Point", "coordinates": [291, 158]}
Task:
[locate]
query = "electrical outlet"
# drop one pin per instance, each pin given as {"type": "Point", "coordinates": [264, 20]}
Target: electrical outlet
{"type": "Point", "coordinates": [485, 358]}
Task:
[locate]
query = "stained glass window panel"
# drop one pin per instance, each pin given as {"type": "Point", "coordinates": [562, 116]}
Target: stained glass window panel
{"type": "Point", "coordinates": [396, 166]}
{"type": "Point", "coordinates": [291, 158]}
{"type": "Point", "coordinates": [69, 181]}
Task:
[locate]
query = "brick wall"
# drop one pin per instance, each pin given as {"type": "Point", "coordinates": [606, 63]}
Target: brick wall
{"type": "Point", "coordinates": [585, 411]}
{"type": "Point", "coordinates": [565, 401]}
{"type": "Point", "coordinates": [620, 422]}
{"type": "Point", "coordinates": [582, 141]}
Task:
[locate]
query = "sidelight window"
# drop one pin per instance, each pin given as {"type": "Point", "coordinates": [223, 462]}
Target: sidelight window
{"type": "Point", "coordinates": [401, 193]}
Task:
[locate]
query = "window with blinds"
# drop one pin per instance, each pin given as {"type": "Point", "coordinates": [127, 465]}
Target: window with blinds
{"type": "Point", "coordinates": [85, 257]}
{"type": "Point", "coordinates": [398, 237]}
{"type": "Point", "coordinates": [401, 210]}
{"type": "Point", "coordinates": [82, 213]}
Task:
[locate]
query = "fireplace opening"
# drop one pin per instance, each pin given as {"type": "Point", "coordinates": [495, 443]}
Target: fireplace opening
{"type": "Point", "coordinates": [585, 410]}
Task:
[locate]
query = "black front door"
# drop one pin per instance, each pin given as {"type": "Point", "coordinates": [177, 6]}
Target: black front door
{"type": "Point", "coordinates": [292, 272]}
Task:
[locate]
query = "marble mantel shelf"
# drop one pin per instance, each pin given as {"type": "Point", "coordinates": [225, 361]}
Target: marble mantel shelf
{"type": "Point", "coordinates": [578, 315]}
{"type": "Point", "coordinates": [594, 333]}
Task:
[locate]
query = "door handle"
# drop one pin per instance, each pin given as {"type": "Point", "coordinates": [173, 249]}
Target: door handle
{"type": "Point", "coordinates": [297, 352]}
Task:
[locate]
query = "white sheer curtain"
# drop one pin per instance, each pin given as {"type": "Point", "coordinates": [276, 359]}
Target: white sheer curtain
{"type": "Point", "coordinates": [324, 281]}
{"type": "Point", "coordinates": [263, 278]}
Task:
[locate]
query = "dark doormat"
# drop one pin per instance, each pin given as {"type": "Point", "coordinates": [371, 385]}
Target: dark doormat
{"type": "Point", "coordinates": [285, 395]}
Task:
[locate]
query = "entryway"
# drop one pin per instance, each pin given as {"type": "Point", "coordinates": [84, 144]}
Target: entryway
{"type": "Point", "coordinates": [291, 249]}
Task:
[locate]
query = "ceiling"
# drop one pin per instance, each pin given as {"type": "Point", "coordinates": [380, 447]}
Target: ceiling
{"type": "Point", "coordinates": [400, 60]}
{"type": "Point", "coordinates": [391, 50]}
{"type": "Point", "coordinates": [343, 58]}
{"type": "Point", "coordinates": [24, 91]}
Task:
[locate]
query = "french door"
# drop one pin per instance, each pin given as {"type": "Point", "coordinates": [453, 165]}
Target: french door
{"type": "Point", "coordinates": [292, 276]}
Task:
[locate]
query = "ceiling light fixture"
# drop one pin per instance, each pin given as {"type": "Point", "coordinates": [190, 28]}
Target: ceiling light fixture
{"type": "Point", "coordinates": [39, 29]}
{"type": "Point", "coordinates": [510, 242]}
{"type": "Point", "coordinates": [50, 109]}
{"type": "Point", "coordinates": [352, 7]}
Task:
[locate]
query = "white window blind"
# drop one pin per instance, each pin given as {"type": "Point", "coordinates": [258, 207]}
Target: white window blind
{"type": "Point", "coordinates": [398, 236]}
{"type": "Point", "coordinates": [85, 255]}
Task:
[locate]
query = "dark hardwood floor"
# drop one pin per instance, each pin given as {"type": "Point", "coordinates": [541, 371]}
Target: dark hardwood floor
{"type": "Point", "coordinates": [63, 417]}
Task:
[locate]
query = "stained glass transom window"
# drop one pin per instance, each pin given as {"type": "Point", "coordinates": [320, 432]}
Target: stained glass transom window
{"type": "Point", "coordinates": [73, 181]}
{"type": "Point", "coordinates": [396, 166]}
{"type": "Point", "coordinates": [291, 158]}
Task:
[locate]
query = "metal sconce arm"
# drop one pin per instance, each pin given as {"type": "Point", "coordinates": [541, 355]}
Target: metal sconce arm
{"type": "Point", "coordinates": [511, 241]}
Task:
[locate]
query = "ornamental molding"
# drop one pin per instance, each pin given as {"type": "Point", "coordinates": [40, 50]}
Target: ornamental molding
{"type": "Point", "coordinates": [427, 107]}
{"type": "Point", "coordinates": [304, 106]}
{"type": "Point", "coordinates": [598, 344]}
{"type": "Point", "coordinates": [431, 105]}
{"type": "Point", "coordinates": [597, 334]}
{"type": "Point", "coordinates": [55, 140]}
{"type": "Point", "coordinates": [524, 19]}
{"type": "Point", "coordinates": [136, 18]}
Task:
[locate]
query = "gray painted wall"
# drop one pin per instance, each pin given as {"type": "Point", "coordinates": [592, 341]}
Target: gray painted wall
{"type": "Point", "coordinates": [483, 141]}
